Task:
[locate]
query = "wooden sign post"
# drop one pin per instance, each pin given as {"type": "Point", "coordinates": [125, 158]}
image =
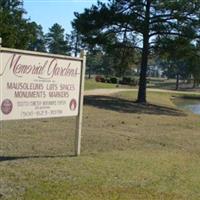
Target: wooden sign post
{"type": "Point", "coordinates": [41, 85]}
{"type": "Point", "coordinates": [80, 113]}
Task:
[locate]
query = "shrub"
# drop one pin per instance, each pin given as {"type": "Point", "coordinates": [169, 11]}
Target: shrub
{"type": "Point", "coordinates": [103, 80]}
{"type": "Point", "coordinates": [113, 80]}
{"type": "Point", "coordinates": [99, 78]}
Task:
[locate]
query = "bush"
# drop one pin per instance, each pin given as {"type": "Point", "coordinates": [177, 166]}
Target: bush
{"type": "Point", "coordinates": [99, 78]}
{"type": "Point", "coordinates": [113, 80]}
{"type": "Point", "coordinates": [103, 80]}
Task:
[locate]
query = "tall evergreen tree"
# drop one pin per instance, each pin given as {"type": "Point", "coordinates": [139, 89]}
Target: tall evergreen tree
{"type": "Point", "coordinates": [121, 51]}
{"type": "Point", "coordinates": [38, 42]}
{"type": "Point", "coordinates": [75, 42]}
{"type": "Point", "coordinates": [146, 19]}
{"type": "Point", "coordinates": [15, 30]}
{"type": "Point", "coordinates": [56, 42]}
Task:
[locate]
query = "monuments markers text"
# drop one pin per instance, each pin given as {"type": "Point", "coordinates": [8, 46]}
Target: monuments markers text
{"type": "Point", "coordinates": [39, 85]}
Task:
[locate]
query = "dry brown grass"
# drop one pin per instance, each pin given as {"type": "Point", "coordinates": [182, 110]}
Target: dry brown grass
{"type": "Point", "coordinates": [129, 152]}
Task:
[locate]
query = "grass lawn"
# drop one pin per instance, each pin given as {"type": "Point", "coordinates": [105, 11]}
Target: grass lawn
{"type": "Point", "coordinates": [162, 83]}
{"type": "Point", "coordinates": [129, 152]}
{"type": "Point", "coordinates": [170, 84]}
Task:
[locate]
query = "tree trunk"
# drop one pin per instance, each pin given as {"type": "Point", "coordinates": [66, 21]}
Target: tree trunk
{"type": "Point", "coordinates": [144, 63]}
{"type": "Point", "coordinates": [89, 73]}
{"type": "Point", "coordinates": [194, 83]}
{"type": "Point", "coordinates": [177, 81]}
{"type": "Point", "coordinates": [143, 74]}
{"type": "Point", "coordinates": [76, 45]}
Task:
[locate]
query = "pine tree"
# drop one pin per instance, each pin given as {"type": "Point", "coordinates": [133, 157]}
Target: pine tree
{"type": "Point", "coordinates": [56, 42]}
{"type": "Point", "coordinates": [38, 42]}
{"type": "Point", "coordinates": [15, 30]}
{"type": "Point", "coordinates": [145, 19]}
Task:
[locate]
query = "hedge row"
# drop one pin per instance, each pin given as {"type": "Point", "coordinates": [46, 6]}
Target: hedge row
{"type": "Point", "coordinates": [115, 80]}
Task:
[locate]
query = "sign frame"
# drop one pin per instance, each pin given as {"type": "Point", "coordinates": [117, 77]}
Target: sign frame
{"type": "Point", "coordinates": [82, 59]}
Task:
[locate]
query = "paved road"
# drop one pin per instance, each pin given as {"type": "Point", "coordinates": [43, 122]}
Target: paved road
{"type": "Point", "coordinates": [112, 91]}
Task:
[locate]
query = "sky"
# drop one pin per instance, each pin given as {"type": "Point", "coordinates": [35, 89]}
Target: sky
{"type": "Point", "coordinates": [48, 12]}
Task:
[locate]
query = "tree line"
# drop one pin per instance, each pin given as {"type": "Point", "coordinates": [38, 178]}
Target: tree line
{"type": "Point", "coordinates": [18, 32]}
{"type": "Point", "coordinates": [21, 33]}
{"type": "Point", "coordinates": [118, 35]}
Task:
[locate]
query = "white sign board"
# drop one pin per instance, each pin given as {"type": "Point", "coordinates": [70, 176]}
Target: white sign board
{"type": "Point", "coordinates": [37, 85]}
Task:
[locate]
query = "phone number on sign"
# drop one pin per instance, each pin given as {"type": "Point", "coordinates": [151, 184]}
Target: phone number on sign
{"type": "Point", "coordinates": [41, 113]}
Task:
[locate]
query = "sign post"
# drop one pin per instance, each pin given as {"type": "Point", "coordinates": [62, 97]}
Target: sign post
{"type": "Point", "coordinates": [41, 85]}
{"type": "Point", "coordinates": [80, 112]}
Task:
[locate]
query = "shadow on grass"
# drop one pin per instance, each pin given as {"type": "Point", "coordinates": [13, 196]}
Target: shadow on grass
{"type": "Point", "coordinates": [11, 158]}
{"type": "Point", "coordinates": [127, 106]}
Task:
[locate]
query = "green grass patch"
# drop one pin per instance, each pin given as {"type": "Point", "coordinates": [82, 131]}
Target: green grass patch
{"type": "Point", "coordinates": [139, 174]}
